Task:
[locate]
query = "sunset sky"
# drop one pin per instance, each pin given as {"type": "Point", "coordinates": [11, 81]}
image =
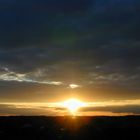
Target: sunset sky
{"type": "Point", "coordinates": [54, 50]}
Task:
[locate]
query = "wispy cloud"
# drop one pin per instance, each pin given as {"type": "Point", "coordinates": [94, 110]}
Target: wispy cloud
{"type": "Point", "coordinates": [73, 86]}
{"type": "Point", "coordinates": [8, 75]}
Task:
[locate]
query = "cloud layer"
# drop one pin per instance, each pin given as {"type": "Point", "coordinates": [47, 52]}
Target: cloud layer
{"type": "Point", "coordinates": [112, 108]}
{"type": "Point", "coordinates": [46, 46]}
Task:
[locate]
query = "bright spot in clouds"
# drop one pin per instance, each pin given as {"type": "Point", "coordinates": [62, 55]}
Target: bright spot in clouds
{"type": "Point", "coordinates": [73, 86]}
{"type": "Point", "coordinates": [73, 105]}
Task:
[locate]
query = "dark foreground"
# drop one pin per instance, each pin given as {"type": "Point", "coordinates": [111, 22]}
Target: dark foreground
{"type": "Point", "coordinates": [68, 128]}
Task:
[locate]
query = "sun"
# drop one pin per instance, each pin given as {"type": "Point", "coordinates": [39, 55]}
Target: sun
{"type": "Point", "coordinates": [73, 105]}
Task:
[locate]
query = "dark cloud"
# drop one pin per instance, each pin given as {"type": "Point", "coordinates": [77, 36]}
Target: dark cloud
{"type": "Point", "coordinates": [34, 22]}
{"type": "Point", "coordinates": [134, 109]}
{"type": "Point", "coordinates": [92, 43]}
{"type": "Point", "coordinates": [23, 110]}
{"type": "Point", "coordinates": [29, 109]}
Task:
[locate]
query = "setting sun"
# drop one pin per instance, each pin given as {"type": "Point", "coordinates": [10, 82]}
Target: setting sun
{"type": "Point", "coordinates": [73, 105]}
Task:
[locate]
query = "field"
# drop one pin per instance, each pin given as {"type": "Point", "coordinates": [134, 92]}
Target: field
{"type": "Point", "coordinates": [69, 128]}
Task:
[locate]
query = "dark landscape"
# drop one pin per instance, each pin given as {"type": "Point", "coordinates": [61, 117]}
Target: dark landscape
{"type": "Point", "coordinates": [69, 128]}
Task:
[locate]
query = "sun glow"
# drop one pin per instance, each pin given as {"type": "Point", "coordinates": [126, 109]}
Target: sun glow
{"type": "Point", "coordinates": [73, 105]}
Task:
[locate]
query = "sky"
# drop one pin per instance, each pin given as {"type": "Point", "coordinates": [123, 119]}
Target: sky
{"type": "Point", "coordinates": [52, 50]}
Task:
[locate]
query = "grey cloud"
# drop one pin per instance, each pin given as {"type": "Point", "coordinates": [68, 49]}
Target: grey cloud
{"type": "Point", "coordinates": [13, 110]}
{"type": "Point", "coordinates": [9, 109]}
{"type": "Point", "coordinates": [87, 66]}
{"type": "Point", "coordinates": [29, 78]}
{"type": "Point", "coordinates": [94, 44]}
{"type": "Point", "coordinates": [30, 22]}
{"type": "Point", "coordinates": [134, 109]}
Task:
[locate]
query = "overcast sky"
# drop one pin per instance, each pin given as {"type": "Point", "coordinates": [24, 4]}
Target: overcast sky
{"type": "Point", "coordinates": [53, 49]}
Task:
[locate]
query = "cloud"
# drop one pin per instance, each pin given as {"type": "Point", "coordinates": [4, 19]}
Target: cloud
{"type": "Point", "coordinates": [94, 44]}
{"type": "Point", "coordinates": [30, 109]}
{"type": "Point", "coordinates": [13, 76]}
{"type": "Point", "coordinates": [31, 23]}
{"type": "Point", "coordinates": [131, 107]}
{"type": "Point", "coordinates": [128, 109]}
{"type": "Point", "coordinates": [73, 86]}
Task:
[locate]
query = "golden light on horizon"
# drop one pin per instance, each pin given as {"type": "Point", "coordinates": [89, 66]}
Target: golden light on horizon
{"type": "Point", "coordinates": [73, 105]}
